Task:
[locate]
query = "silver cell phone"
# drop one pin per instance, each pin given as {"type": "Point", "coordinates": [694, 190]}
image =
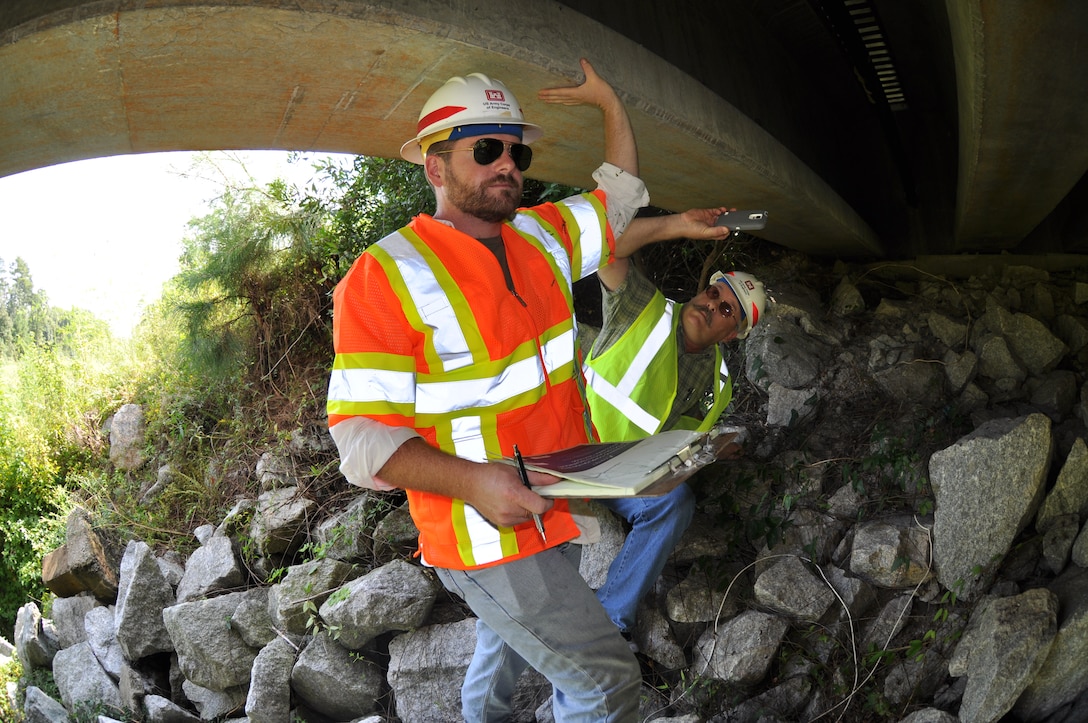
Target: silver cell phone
{"type": "Point", "coordinates": [743, 220]}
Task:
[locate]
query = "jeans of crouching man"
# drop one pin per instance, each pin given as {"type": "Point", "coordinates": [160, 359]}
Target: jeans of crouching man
{"type": "Point", "coordinates": [657, 524]}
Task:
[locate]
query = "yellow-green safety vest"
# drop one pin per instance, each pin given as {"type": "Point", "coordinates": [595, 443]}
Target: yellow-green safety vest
{"type": "Point", "coordinates": [631, 385]}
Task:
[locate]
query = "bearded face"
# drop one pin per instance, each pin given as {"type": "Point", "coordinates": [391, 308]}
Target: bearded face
{"type": "Point", "coordinates": [493, 198]}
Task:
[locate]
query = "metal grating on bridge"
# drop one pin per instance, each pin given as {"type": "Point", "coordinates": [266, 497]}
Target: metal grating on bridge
{"type": "Point", "coordinates": [872, 36]}
{"type": "Point", "coordinates": [855, 25]}
{"type": "Point", "coordinates": [857, 29]}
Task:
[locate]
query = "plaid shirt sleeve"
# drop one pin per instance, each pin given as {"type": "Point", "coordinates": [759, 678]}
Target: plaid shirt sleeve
{"type": "Point", "coordinates": [621, 307]}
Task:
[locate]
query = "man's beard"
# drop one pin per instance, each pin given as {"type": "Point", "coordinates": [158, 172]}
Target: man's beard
{"type": "Point", "coordinates": [481, 201]}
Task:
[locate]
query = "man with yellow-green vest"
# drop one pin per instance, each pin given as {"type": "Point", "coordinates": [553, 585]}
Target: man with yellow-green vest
{"type": "Point", "coordinates": [648, 370]}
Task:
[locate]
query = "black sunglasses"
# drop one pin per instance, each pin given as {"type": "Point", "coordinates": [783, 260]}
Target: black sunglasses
{"type": "Point", "coordinates": [486, 151]}
{"type": "Point", "coordinates": [714, 293]}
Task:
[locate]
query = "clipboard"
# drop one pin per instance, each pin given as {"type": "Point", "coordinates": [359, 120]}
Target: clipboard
{"type": "Point", "coordinates": [647, 467]}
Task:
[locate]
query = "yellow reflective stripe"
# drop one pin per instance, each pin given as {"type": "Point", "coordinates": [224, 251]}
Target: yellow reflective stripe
{"type": "Point", "coordinates": [517, 380]}
{"type": "Point", "coordinates": [508, 539]}
{"type": "Point", "coordinates": [662, 330]}
{"type": "Point", "coordinates": [478, 541]}
{"type": "Point", "coordinates": [368, 409]}
{"type": "Point", "coordinates": [626, 406]}
{"type": "Point", "coordinates": [397, 270]}
{"type": "Point", "coordinates": [374, 359]}
{"type": "Point", "coordinates": [522, 400]}
{"type": "Point", "coordinates": [586, 220]}
{"type": "Point", "coordinates": [466, 434]}
{"type": "Point", "coordinates": [458, 516]}
{"type": "Point", "coordinates": [483, 542]}
{"type": "Point", "coordinates": [448, 294]}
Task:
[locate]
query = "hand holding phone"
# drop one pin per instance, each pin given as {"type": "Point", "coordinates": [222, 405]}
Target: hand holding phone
{"type": "Point", "coordinates": [743, 220]}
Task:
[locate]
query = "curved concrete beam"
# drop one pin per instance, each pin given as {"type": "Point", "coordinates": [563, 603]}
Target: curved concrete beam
{"type": "Point", "coordinates": [1023, 114]}
{"type": "Point", "coordinates": [106, 78]}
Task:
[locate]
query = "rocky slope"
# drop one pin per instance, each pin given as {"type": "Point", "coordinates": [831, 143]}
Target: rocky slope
{"type": "Point", "coordinates": [902, 539]}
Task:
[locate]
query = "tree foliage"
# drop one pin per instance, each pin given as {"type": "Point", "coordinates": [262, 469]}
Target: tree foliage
{"type": "Point", "coordinates": [258, 270]}
{"type": "Point", "coordinates": [27, 320]}
{"type": "Point", "coordinates": [25, 317]}
{"type": "Point", "coordinates": [250, 268]}
{"type": "Point", "coordinates": [31, 503]}
{"type": "Point", "coordinates": [372, 198]}
{"type": "Point", "coordinates": [59, 369]}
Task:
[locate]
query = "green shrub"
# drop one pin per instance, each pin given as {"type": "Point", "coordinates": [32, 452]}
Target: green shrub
{"type": "Point", "coordinates": [32, 511]}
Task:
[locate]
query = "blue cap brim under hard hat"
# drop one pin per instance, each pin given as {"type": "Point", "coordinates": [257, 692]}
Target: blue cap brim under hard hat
{"type": "Point", "coordinates": [473, 130]}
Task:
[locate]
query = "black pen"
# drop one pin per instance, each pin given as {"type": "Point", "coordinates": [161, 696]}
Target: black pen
{"type": "Point", "coordinates": [525, 480]}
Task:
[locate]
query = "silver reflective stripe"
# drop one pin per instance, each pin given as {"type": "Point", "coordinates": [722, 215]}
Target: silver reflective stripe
{"type": "Point", "coordinates": [627, 407]}
{"type": "Point", "coordinates": [468, 443]}
{"type": "Point", "coordinates": [589, 225]}
{"type": "Point", "coordinates": [372, 385]}
{"type": "Point", "coordinates": [446, 397]}
{"type": "Point", "coordinates": [559, 351]}
{"type": "Point", "coordinates": [486, 539]}
{"type": "Point", "coordinates": [431, 302]}
{"type": "Point", "coordinates": [528, 224]}
{"type": "Point", "coordinates": [646, 353]}
{"type": "Point", "coordinates": [723, 373]}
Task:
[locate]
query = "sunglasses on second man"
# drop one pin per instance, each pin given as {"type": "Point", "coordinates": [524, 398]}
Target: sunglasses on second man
{"type": "Point", "coordinates": [724, 308]}
{"type": "Point", "coordinates": [486, 151]}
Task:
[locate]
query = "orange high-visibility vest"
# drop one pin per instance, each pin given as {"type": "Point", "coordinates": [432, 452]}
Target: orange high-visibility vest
{"type": "Point", "coordinates": [428, 336]}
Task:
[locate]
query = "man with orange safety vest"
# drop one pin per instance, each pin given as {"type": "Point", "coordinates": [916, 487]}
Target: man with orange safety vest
{"type": "Point", "coordinates": [455, 341]}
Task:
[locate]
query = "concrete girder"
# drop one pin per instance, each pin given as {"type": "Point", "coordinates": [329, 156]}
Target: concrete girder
{"type": "Point", "coordinates": [1023, 114]}
{"type": "Point", "coordinates": [93, 79]}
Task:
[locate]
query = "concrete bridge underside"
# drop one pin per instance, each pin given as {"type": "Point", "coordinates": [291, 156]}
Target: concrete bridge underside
{"type": "Point", "coordinates": [981, 145]}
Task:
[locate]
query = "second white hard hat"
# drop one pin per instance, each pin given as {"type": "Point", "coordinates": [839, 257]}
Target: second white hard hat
{"type": "Point", "coordinates": [751, 295]}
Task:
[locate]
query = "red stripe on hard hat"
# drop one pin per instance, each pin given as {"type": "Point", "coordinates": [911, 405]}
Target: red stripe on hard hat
{"type": "Point", "coordinates": [437, 115]}
{"type": "Point", "coordinates": [755, 316]}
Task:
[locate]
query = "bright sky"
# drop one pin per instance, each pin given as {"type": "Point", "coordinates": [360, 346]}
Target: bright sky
{"type": "Point", "coordinates": [104, 234]}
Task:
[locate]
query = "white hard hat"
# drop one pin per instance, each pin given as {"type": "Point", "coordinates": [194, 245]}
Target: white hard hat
{"type": "Point", "coordinates": [751, 295]}
{"type": "Point", "coordinates": [472, 100]}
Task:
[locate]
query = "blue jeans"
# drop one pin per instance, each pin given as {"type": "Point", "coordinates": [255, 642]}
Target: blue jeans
{"type": "Point", "coordinates": [539, 611]}
{"type": "Point", "coordinates": [657, 524]}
